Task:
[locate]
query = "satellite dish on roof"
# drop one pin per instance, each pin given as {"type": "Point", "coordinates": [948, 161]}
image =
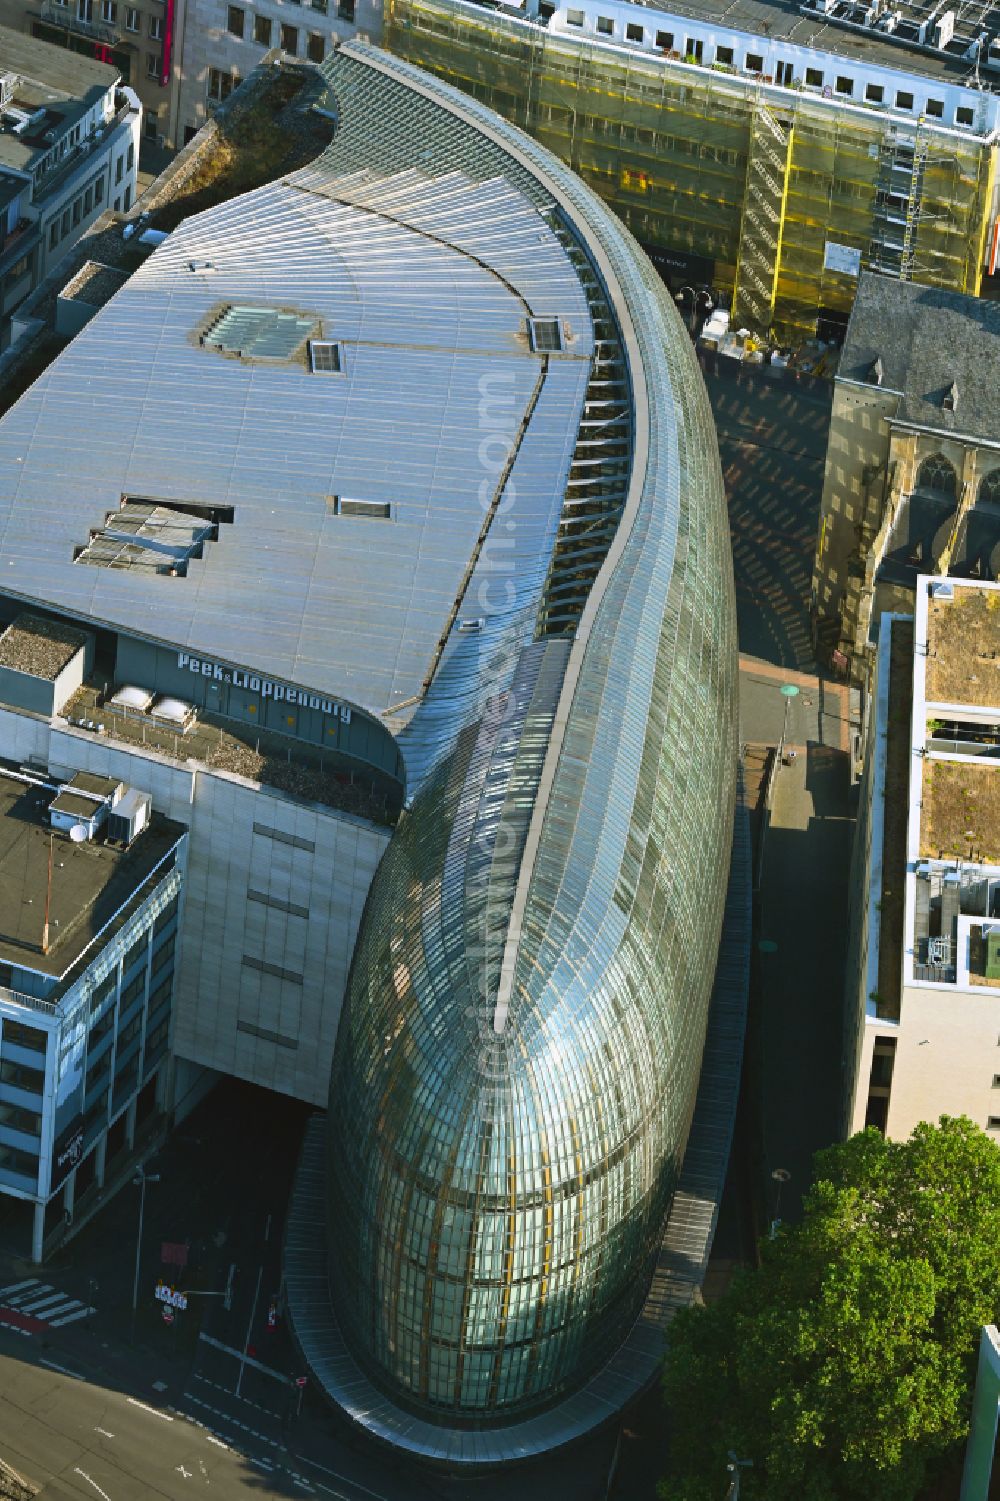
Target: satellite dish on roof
{"type": "Point", "coordinates": [78, 833]}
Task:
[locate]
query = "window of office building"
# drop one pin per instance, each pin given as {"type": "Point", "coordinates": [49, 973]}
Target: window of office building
{"type": "Point", "coordinates": [152, 65]}
{"type": "Point", "coordinates": [634, 33]}
{"type": "Point", "coordinates": [290, 39]}
{"type": "Point", "coordinates": [904, 100]}
{"type": "Point", "coordinates": [235, 19]}
{"type": "Point", "coordinates": [220, 85]}
{"type": "Point", "coordinates": [315, 47]}
{"type": "Point", "coordinates": [605, 26]}
{"type": "Point", "coordinates": [85, 10]}
{"type": "Point", "coordinates": [65, 223]}
{"type": "Point", "coordinates": [99, 190]}
{"type": "Point", "coordinates": [132, 22]}
{"type": "Point", "coordinates": [345, 10]}
{"type": "Point", "coordinates": [754, 63]}
{"type": "Point", "coordinates": [119, 170]}
{"type": "Point", "coordinates": [814, 78]}
{"type": "Point", "coordinates": [935, 107]}
{"type": "Point", "coordinates": [321, 5]}
{"type": "Point", "coordinates": [874, 93]}
{"type": "Point", "coordinates": [77, 211]}
{"type": "Point", "coordinates": [845, 85]}
{"type": "Point", "coordinates": [156, 28]}
{"type": "Point", "coordinates": [109, 11]}
{"type": "Point", "coordinates": [262, 30]}
{"type": "Point", "coordinates": [574, 18]}
{"type": "Point", "coordinates": [963, 116]}
{"type": "Point", "coordinates": [694, 47]}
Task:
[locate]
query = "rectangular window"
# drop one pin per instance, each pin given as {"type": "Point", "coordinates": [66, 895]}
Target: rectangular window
{"type": "Point", "coordinates": [65, 223]}
{"type": "Point", "coordinates": [665, 39]}
{"type": "Point", "coordinates": [132, 22]}
{"type": "Point", "coordinates": [754, 63]}
{"type": "Point", "coordinates": [149, 125]}
{"type": "Point", "coordinates": [109, 11]}
{"type": "Point", "coordinates": [814, 78]}
{"type": "Point", "coordinates": [85, 10]}
{"type": "Point", "coordinates": [152, 65]}
{"type": "Point", "coordinates": [265, 967]}
{"type": "Point", "coordinates": [119, 170]}
{"type": "Point", "coordinates": [963, 116]}
{"type": "Point", "coordinates": [127, 200]}
{"type": "Point", "coordinates": [262, 30]}
{"type": "Point", "coordinates": [605, 26]}
{"type": "Point", "coordinates": [88, 200]}
{"type": "Point", "coordinates": [874, 93]}
{"type": "Point", "coordinates": [99, 190]}
{"type": "Point", "coordinates": [77, 212]}
{"type": "Point", "coordinates": [724, 55]}
{"type": "Point", "coordinates": [156, 28]}
{"type": "Point", "coordinates": [784, 73]}
{"type": "Point", "coordinates": [235, 21]}
{"type": "Point", "coordinates": [574, 18]}
{"type": "Point", "coordinates": [315, 47]}
{"type": "Point", "coordinates": [845, 86]}
{"type": "Point", "coordinates": [280, 837]}
{"type": "Point", "coordinates": [345, 10]}
{"type": "Point", "coordinates": [320, 5]}
{"type": "Point", "coordinates": [290, 40]}
{"type": "Point", "coordinates": [935, 108]}
{"type": "Point", "coordinates": [634, 33]}
{"type": "Point", "coordinates": [694, 48]}
{"type": "Point", "coordinates": [27, 1037]}
{"type": "Point", "coordinates": [996, 1081]}
{"type": "Point", "coordinates": [993, 1124]}
{"type": "Point", "coordinates": [53, 234]}
{"type": "Point", "coordinates": [904, 100]}
{"type": "Point", "coordinates": [220, 85]}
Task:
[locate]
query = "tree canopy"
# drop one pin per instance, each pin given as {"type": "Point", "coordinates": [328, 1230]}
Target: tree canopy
{"type": "Point", "coordinates": [843, 1366]}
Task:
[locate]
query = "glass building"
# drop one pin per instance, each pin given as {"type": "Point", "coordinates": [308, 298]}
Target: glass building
{"type": "Point", "coordinates": [520, 1045]}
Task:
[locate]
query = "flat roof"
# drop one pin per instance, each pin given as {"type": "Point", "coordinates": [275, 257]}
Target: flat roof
{"type": "Point", "coordinates": [783, 19]}
{"type": "Point", "coordinates": [53, 78]}
{"type": "Point", "coordinates": [40, 648]}
{"type": "Point", "coordinates": [90, 881]}
{"type": "Point", "coordinates": [960, 812]}
{"type": "Point", "coordinates": [963, 647]}
{"type": "Point", "coordinates": [426, 283]}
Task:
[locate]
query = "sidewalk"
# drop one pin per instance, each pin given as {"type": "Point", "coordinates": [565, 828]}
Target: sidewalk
{"type": "Point", "coordinates": [803, 923]}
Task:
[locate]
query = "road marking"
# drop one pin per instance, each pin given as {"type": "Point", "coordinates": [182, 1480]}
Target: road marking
{"type": "Point", "coordinates": [61, 1369]}
{"type": "Point", "coordinates": [265, 1464]}
{"type": "Point", "coordinates": [226, 1417]}
{"type": "Point", "coordinates": [48, 1296]}
{"type": "Point", "coordinates": [68, 1318]}
{"type": "Point", "coordinates": [97, 1488]}
{"type": "Point", "coordinates": [268, 1411]}
{"type": "Point", "coordinates": [217, 1441]}
{"type": "Point", "coordinates": [134, 1402]}
{"type": "Point", "coordinates": [105, 1432]}
{"type": "Point", "coordinates": [313, 1465]}
{"type": "Point", "coordinates": [16, 1287]}
{"type": "Point", "coordinates": [181, 1471]}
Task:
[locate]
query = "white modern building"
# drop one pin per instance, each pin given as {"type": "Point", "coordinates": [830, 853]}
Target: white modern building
{"type": "Point", "coordinates": [69, 147]}
{"type": "Point", "coordinates": [924, 1009]}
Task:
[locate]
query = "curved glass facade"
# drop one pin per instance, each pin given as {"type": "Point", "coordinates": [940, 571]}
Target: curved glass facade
{"type": "Point", "coordinates": [520, 1046]}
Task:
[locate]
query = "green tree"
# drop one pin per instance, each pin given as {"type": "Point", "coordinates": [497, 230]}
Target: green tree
{"type": "Point", "coordinates": [843, 1366]}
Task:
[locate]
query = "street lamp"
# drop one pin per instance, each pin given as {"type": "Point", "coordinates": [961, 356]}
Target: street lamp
{"type": "Point", "coordinates": [781, 1176]}
{"type": "Point", "coordinates": [140, 1180]}
{"type": "Point", "coordinates": [788, 692]}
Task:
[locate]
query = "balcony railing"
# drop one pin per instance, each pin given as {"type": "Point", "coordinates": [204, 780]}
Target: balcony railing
{"type": "Point", "coordinates": [69, 18]}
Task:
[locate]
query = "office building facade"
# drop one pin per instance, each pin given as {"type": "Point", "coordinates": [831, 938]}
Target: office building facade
{"type": "Point", "coordinates": [69, 149]}
{"type": "Point", "coordinates": [769, 161]}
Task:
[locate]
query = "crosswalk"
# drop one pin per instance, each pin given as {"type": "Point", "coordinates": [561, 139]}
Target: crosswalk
{"type": "Point", "coordinates": [37, 1300]}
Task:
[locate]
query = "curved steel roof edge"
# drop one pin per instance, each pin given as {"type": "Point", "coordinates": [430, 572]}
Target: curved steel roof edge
{"type": "Point", "coordinates": [506, 137]}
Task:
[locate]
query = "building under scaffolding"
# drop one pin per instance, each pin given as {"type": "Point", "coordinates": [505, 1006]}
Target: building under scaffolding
{"type": "Point", "coordinates": [771, 163]}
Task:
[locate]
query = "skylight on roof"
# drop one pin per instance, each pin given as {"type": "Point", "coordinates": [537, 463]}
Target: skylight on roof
{"type": "Point", "coordinates": [375, 510]}
{"type": "Point", "coordinates": [258, 333]}
{"type": "Point", "coordinates": [545, 335]}
{"type": "Point", "coordinates": [324, 357]}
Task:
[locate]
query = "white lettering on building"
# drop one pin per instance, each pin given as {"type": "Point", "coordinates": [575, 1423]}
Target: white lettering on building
{"type": "Point", "coordinates": [266, 687]}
